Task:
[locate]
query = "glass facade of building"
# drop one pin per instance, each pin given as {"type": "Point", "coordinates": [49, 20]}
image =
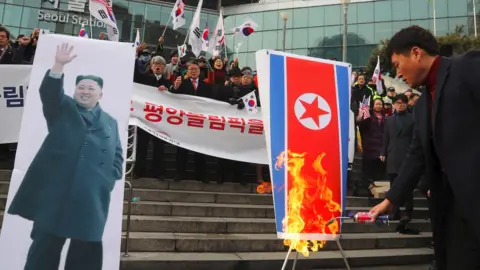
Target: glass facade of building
{"type": "Point", "coordinates": [318, 30]}
{"type": "Point", "coordinates": [22, 16]}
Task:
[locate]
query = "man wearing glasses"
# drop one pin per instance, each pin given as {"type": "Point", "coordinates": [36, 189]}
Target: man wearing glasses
{"type": "Point", "coordinates": [396, 140]}
{"type": "Point", "coordinates": [193, 86]}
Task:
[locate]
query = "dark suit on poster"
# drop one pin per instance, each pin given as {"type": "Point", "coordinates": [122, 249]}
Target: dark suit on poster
{"type": "Point", "coordinates": [445, 148]}
{"type": "Point", "coordinates": [66, 189]}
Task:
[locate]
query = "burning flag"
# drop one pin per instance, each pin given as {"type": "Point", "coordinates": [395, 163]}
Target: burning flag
{"type": "Point", "coordinates": [306, 130]}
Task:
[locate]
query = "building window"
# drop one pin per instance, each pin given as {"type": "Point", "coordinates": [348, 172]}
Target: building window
{"type": "Point", "coordinates": [316, 36]}
{"type": "Point", "coordinates": [269, 40]}
{"type": "Point", "coordinates": [383, 31]}
{"type": "Point", "coordinates": [365, 12]}
{"type": "Point", "coordinates": [300, 17]}
{"type": "Point", "coordinates": [300, 36]}
{"type": "Point", "coordinates": [333, 36]}
{"type": "Point", "coordinates": [270, 20]}
{"type": "Point", "coordinates": [316, 16]}
{"type": "Point", "coordinates": [401, 10]}
{"type": "Point", "coordinates": [29, 17]}
{"type": "Point", "coordinates": [255, 42]}
{"type": "Point", "coordinates": [457, 8]}
{"type": "Point", "coordinates": [419, 9]}
{"type": "Point", "coordinates": [366, 33]}
{"type": "Point", "coordinates": [12, 15]}
{"type": "Point", "coordinates": [383, 11]}
{"type": "Point", "coordinates": [333, 15]}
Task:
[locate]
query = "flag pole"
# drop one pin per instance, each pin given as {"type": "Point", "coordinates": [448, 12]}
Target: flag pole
{"type": "Point", "coordinates": [435, 18]}
{"type": "Point", "coordinates": [474, 17]}
{"type": "Point", "coordinates": [91, 28]}
{"type": "Point", "coordinates": [166, 25]}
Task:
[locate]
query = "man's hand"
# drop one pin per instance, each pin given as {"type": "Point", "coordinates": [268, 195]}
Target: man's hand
{"type": "Point", "coordinates": [162, 88]}
{"type": "Point", "coordinates": [161, 40]}
{"type": "Point", "coordinates": [24, 40]}
{"type": "Point", "coordinates": [63, 56]}
{"type": "Point", "coordinates": [382, 158]}
{"type": "Point", "coordinates": [381, 208]}
{"type": "Point", "coordinates": [177, 82]}
{"type": "Point", "coordinates": [428, 193]}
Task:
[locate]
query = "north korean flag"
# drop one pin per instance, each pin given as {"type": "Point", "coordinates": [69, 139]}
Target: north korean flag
{"type": "Point", "coordinates": [306, 120]}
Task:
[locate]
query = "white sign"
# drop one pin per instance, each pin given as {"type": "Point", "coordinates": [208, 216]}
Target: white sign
{"type": "Point", "coordinates": [68, 18]}
{"type": "Point", "coordinates": [65, 201]}
{"type": "Point", "coordinates": [199, 124]}
{"type": "Point", "coordinates": [13, 85]}
{"type": "Point", "coordinates": [77, 6]}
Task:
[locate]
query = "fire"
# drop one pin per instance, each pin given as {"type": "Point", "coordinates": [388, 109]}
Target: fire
{"type": "Point", "coordinates": [310, 201]}
{"type": "Point", "coordinates": [264, 187]}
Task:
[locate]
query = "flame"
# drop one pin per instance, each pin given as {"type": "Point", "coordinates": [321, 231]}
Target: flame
{"type": "Point", "coordinates": [310, 202]}
{"type": "Point", "coordinates": [264, 187]}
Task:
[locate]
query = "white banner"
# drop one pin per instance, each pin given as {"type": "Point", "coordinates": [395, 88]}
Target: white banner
{"type": "Point", "coordinates": [13, 89]}
{"type": "Point", "coordinates": [200, 124]}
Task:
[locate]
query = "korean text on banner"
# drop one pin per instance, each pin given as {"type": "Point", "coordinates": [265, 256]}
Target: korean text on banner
{"type": "Point", "coordinates": [68, 179]}
{"type": "Point", "coordinates": [200, 124]}
{"type": "Point", "coordinates": [13, 89]}
{"type": "Point", "coordinates": [306, 129]}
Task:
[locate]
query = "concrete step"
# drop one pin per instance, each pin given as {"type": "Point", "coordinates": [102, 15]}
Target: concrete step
{"type": "Point", "coordinates": [225, 210]}
{"type": "Point", "coordinates": [152, 183]}
{"type": "Point", "coordinates": [5, 175]}
{"type": "Point", "coordinates": [176, 224]}
{"type": "Point", "coordinates": [201, 196]}
{"type": "Point", "coordinates": [4, 185]}
{"type": "Point", "coordinates": [273, 260]}
{"type": "Point", "coordinates": [190, 242]}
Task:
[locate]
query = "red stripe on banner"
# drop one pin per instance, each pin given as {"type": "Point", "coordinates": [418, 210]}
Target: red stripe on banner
{"type": "Point", "coordinates": [314, 165]}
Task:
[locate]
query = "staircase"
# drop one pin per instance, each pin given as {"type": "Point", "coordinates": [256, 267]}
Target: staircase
{"type": "Point", "coordinates": [195, 226]}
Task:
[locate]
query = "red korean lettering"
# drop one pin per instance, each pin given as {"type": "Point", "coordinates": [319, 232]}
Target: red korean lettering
{"type": "Point", "coordinates": [255, 126]}
{"type": "Point", "coordinates": [195, 120]}
{"type": "Point", "coordinates": [217, 122]}
{"type": "Point", "coordinates": [153, 113]}
{"type": "Point", "coordinates": [174, 119]}
{"type": "Point", "coordinates": [237, 123]}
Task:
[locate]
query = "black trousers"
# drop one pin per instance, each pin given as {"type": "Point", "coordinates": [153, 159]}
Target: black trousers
{"type": "Point", "coordinates": [182, 159]}
{"type": "Point", "coordinates": [455, 243]}
{"type": "Point", "coordinates": [143, 139]}
{"type": "Point", "coordinates": [373, 169]}
{"type": "Point", "coordinates": [231, 170]}
{"type": "Point", "coordinates": [46, 249]}
{"type": "Point", "coordinates": [408, 202]}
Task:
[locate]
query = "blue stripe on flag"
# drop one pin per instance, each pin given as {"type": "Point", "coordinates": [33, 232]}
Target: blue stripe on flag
{"type": "Point", "coordinates": [343, 90]}
{"type": "Point", "coordinates": [277, 133]}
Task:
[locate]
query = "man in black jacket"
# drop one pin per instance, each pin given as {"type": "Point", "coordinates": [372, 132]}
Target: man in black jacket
{"type": "Point", "coordinates": [11, 54]}
{"type": "Point", "coordinates": [154, 77]}
{"type": "Point", "coordinates": [193, 86]}
{"type": "Point", "coordinates": [396, 139]}
{"type": "Point", "coordinates": [444, 146]}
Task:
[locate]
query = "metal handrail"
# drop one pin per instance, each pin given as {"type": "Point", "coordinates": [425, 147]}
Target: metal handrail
{"type": "Point", "coordinates": [131, 145]}
{"type": "Point", "coordinates": [129, 211]}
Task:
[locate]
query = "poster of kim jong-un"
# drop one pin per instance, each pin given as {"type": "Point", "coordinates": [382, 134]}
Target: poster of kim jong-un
{"type": "Point", "coordinates": [64, 207]}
